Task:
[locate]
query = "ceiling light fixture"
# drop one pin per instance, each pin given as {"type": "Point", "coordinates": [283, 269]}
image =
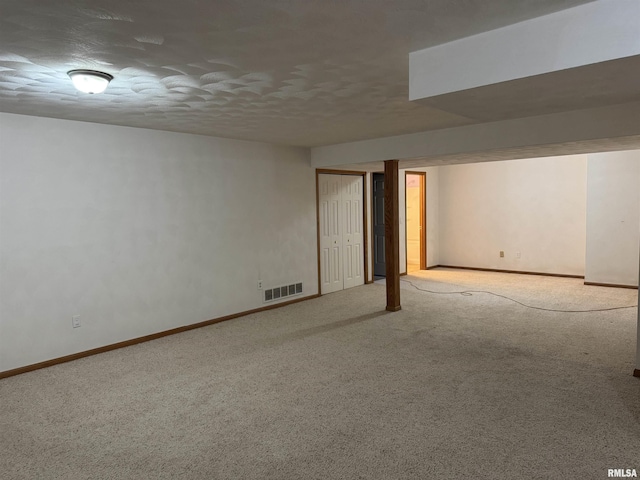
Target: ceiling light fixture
{"type": "Point", "coordinates": [90, 81]}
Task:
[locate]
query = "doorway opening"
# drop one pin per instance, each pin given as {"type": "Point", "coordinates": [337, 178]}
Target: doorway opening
{"type": "Point", "coordinates": [377, 202]}
{"type": "Point", "coordinates": [416, 222]}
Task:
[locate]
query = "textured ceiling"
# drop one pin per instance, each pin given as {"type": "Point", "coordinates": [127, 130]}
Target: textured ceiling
{"type": "Point", "coordinates": [297, 72]}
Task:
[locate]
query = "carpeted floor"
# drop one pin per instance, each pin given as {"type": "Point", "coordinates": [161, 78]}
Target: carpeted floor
{"type": "Point", "coordinates": [450, 387]}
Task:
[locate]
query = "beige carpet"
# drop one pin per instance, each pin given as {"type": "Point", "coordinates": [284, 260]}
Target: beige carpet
{"type": "Point", "coordinates": [450, 387]}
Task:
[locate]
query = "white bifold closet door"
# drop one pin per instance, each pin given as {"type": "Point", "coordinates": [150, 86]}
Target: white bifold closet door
{"type": "Point", "coordinates": [341, 232]}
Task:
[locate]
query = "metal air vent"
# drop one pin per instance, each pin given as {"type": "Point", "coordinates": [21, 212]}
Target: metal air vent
{"type": "Point", "coordinates": [277, 293]}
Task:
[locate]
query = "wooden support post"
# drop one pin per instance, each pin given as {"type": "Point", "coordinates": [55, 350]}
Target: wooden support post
{"type": "Point", "coordinates": [392, 234]}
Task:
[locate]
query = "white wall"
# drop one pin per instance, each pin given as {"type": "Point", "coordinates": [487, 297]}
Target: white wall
{"type": "Point", "coordinates": [536, 207]}
{"type": "Point", "coordinates": [613, 217]}
{"type": "Point", "coordinates": [140, 231]}
{"type": "Point", "coordinates": [638, 332]}
{"type": "Point", "coordinates": [433, 216]}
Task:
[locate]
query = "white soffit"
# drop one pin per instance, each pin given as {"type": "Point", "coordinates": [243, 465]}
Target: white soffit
{"type": "Point", "coordinates": [613, 127]}
{"type": "Point", "coordinates": [595, 32]}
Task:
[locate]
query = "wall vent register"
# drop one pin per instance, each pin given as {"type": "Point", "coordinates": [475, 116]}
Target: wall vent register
{"type": "Point", "coordinates": [277, 293]}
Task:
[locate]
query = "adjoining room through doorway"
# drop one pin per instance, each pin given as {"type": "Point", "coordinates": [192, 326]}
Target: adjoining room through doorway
{"type": "Point", "coordinates": [415, 221]}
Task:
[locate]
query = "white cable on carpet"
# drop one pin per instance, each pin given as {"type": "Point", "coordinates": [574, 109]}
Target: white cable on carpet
{"type": "Point", "coordinates": [469, 293]}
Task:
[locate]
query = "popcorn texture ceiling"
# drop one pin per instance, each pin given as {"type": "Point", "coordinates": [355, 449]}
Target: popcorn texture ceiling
{"type": "Point", "coordinates": [303, 72]}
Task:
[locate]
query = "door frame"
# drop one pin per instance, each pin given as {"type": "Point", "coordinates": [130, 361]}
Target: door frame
{"type": "Point", "coordinates": [365, 247]}
{"type": "Point", "coordinates": [423, 220]}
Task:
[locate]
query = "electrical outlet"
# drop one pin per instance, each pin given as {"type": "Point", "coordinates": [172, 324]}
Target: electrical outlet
{"type": "Point", "coordinates": [501, 253]}
{"type": "Point", "coordinates": [259, 284]}
{"type": "Point", "coordinates": [75, 321]}
{"type": "Point", "coordinates": [517, 254]}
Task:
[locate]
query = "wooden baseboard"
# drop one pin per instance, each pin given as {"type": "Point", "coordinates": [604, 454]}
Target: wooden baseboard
{"type": "Point", "coordinates": [563, 275]}
{"type": "Point", "coordinates": [146, 338]}
{"type": "Point", "coordinates": [403, 274]}
{"type": "Point", "coordinates": [636, 372]}
{"type": "Point", "coordinates": [612, 285]}
{"type": "Point", "coordinates": [595, 284]}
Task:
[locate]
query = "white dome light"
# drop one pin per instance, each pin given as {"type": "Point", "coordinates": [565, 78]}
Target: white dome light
{"type": "Point", "coordinates": [90, 81]}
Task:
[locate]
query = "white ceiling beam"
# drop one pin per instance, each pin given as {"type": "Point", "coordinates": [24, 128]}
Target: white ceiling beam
{"type": "Point", "coordinates": [595, 32]}
{"type": "Point", "coordinates": [588, 125]}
